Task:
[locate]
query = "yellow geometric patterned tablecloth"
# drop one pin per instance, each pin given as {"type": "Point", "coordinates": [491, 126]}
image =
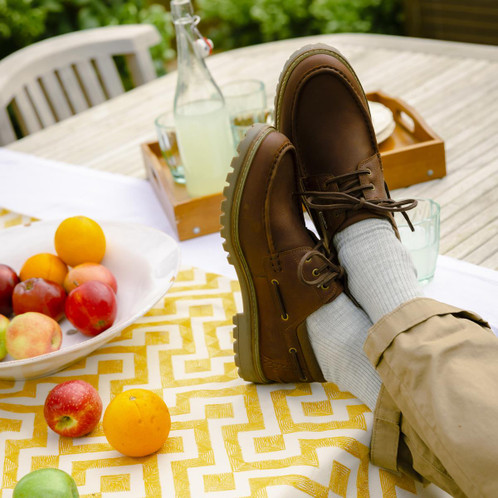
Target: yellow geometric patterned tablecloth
{"type": "Point", "coordinates": [228, 438]}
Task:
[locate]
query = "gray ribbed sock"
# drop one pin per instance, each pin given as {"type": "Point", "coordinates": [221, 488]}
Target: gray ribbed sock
{"type": "Point", "coordinates": [381, 275]}
{"type": "Point", "coordinates": [337, 332]}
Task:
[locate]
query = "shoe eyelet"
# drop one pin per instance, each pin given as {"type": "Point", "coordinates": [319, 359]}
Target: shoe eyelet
{"type": "Point", "coordinates": [315, 272]}
{"type": "Point", "coordinates": [369, 171]}
{"type": "Point", "coordinates": [308, 260]}
{"type": "Point", "coordinates": [324, 287]}
{"type": "Point", "coordinates": [284, 317]}
{"type": "Point", "coordinates": [372, 186]}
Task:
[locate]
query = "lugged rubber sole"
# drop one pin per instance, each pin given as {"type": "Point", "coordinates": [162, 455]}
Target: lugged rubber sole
{"type": "Point", "coordinates": [246, 324]}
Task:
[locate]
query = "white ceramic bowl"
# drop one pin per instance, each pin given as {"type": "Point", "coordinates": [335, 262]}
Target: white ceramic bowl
{"type": "Point", "coordinates": [144, 261]}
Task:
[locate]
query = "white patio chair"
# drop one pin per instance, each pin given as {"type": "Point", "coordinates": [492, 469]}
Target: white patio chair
{"type": "Point", "coordinates": [56, 78]}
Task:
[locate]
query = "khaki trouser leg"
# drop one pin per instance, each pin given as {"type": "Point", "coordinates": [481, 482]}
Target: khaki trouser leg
{"type": "Point", "coordinates": [437, 413]}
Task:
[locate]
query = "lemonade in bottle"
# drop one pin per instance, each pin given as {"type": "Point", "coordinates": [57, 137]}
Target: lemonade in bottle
{"type": "Point", "coordinates": [201, 117]}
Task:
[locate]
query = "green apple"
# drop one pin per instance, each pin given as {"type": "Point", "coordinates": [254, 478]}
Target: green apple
{"type": "Point", "coordinates": [46, 483]}
{"type": "Point", "coordinates": [4, 321]}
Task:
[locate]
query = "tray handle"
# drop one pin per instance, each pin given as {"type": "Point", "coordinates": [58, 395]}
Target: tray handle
{"type": "Point", "coordinates": [405, 115]}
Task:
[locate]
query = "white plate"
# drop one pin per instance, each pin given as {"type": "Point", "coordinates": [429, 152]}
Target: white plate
{"type": "Point", "coordinates": [144, 261]}
{"type": "Point", "coordinates": [382, 120]}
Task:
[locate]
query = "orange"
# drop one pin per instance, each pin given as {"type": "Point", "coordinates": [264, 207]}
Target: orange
{"type": "Point", "coordinates": [79, 240]}
{"type": "Point", "coordinates": [137, 422]}
{"type": "Point", "coordinates": [44, 265]}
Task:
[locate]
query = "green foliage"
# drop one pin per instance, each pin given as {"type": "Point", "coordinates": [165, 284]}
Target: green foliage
{"type": "Point", "coordinates": [232, 23]}
{"type": "Point", "coordinates": [25, 21]}
{"type": "Point", "coordinates": [22, 22]}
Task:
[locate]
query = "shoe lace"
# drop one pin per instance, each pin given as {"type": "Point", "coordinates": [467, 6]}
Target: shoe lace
{"type": "Point", "coordinates": [325, 273]}
{"type": "Point", "coordinates": [351, 197]}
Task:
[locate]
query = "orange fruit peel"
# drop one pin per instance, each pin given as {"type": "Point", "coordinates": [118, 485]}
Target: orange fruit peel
{"type": "Point", "coordinates": [44, 265]}
{"type": "Point", "coordinates": [137, 422]}
{"type": "Point", "coordinates": [80, 239]}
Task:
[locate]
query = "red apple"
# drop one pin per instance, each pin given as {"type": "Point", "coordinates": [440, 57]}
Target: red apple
{"type": "Point", "coordinates": [91, 307]}
{"type": "Point", "coordinates": [38, 294]}
{"type": "Point", "coordinates": [32, 334]}
{"type": "Point", "coordinates": [73, 408]}
{"type": "Point", "coordinates": [8, 280]}
{"type": "Point", "coordinates": [86, 272]}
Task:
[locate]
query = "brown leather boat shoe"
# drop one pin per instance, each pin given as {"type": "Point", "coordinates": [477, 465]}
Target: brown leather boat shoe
{"type": "Point", "coordinates": [283, 273]}
{"type": "Point", "coordinates": [321, 107]}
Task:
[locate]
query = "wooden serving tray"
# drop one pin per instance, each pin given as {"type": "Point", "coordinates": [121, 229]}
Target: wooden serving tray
{"type": "Point", "coordinates": [412, 154]}
{"type": "Point", "coordinates": [192, 217]}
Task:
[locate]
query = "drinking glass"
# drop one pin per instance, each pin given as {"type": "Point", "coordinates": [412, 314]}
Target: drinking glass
{"type": "Point", "coordinates": [423, 243]}
{"type": "Point", "coordinates": [166, 136]}
{"type": "Point", "coordinates": [244, 100]}
{"type": "Point", "coordinates": [243, 95]}
{"type": "Point", "coordinates": [242, 121]}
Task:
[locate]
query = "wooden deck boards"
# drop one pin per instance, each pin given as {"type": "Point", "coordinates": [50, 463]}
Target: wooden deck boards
{"type": "Point", "coordinates": [453, 86]}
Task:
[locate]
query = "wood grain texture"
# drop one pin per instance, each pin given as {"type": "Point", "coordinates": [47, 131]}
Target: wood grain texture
{"type": "Point", "coordinates": [453, 86]}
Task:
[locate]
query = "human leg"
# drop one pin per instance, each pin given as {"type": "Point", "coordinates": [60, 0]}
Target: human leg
{"type": "Point", "coordinates": [342, 185]}
{"type": "Point", "coordinates": [286, 279]}
{"type": "Point", "coordinates": [380, 271]}
{"type": "Point", "coordinates": [438, 364]}
{"type": "Point", "coordinates": [337, 332]}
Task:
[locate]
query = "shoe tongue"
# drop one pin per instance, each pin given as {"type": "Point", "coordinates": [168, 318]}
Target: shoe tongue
{"type": "Point", "coordinates": [319, 183]}
{"type": "Point", "coordinates": [327, 182]}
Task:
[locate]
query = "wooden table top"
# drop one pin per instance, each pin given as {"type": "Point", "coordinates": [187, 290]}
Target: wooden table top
{"type": "Point", "coordinates": [453, 86]}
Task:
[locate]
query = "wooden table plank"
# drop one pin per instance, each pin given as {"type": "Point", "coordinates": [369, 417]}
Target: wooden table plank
{"type": "Point", "coordinates": [452, 85]}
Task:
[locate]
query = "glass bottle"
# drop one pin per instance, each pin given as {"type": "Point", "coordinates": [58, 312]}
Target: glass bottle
{"type": "Point", "coordinates": [201, 118]}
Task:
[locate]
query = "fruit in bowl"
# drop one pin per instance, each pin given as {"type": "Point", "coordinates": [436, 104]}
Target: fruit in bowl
{"type": "Point", "coordinates": [91, 307]}
{"type": "Point", "coordinates": [8, 280]}
{"type": "Point", "coordinates": [32, 334]}
{"type": "Point", "coordinates": [89, 271]}
{"type": "Point", "coordinates": [44, 265]}
{"type": "Point", "coordinates": [78, 240]}
{"type": "Point", "coordinates": [38, 294]}
{"type": "Point", "coordinates": [4, 322]}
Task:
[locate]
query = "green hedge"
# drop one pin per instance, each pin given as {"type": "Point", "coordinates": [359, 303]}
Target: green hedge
{"type": "Point", "coordinates": [235, 23]}
{"type": "Point", "coordinates": [23, 22]}
{"type": "Point", "coordinates": [230, 23]}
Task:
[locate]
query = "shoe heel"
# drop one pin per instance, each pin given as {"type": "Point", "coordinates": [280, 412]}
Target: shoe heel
{"type": "Point", "coordinates": [244, 359]}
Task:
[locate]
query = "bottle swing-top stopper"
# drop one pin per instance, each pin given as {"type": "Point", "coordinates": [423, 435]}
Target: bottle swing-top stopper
{"type": "Point", "coordinates": [203, 46]}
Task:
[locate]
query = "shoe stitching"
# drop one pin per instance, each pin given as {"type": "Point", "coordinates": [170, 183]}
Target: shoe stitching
{"type": "Point", "coordinates": [273, 254]}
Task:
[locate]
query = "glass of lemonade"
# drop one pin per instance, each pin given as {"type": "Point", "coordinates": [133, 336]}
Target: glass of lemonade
{"type": "Point", "coordinates": [206, 145]}
{"type": "Point", "coordinates": [423, 243]}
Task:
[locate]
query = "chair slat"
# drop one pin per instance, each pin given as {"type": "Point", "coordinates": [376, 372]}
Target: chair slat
{"type": "Point", "coordinates": [90, 82]}
{"type": "Point", "coordinates": [55, 78]}
{"type": "Point", "coordinates": [73, 89]}
{"type": "Point", "coordinates": [109, 76]}
{"type": "Point", "coordinates": [40, 103]}
{"type": "Point", "coordinates": [7, 134]}
{"type": "Point", "coordinates": [56, 96]}
{"type": "Point", "coordinates": [141, 67]}
{"type": "Point", "coordinates": [25, 114]}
